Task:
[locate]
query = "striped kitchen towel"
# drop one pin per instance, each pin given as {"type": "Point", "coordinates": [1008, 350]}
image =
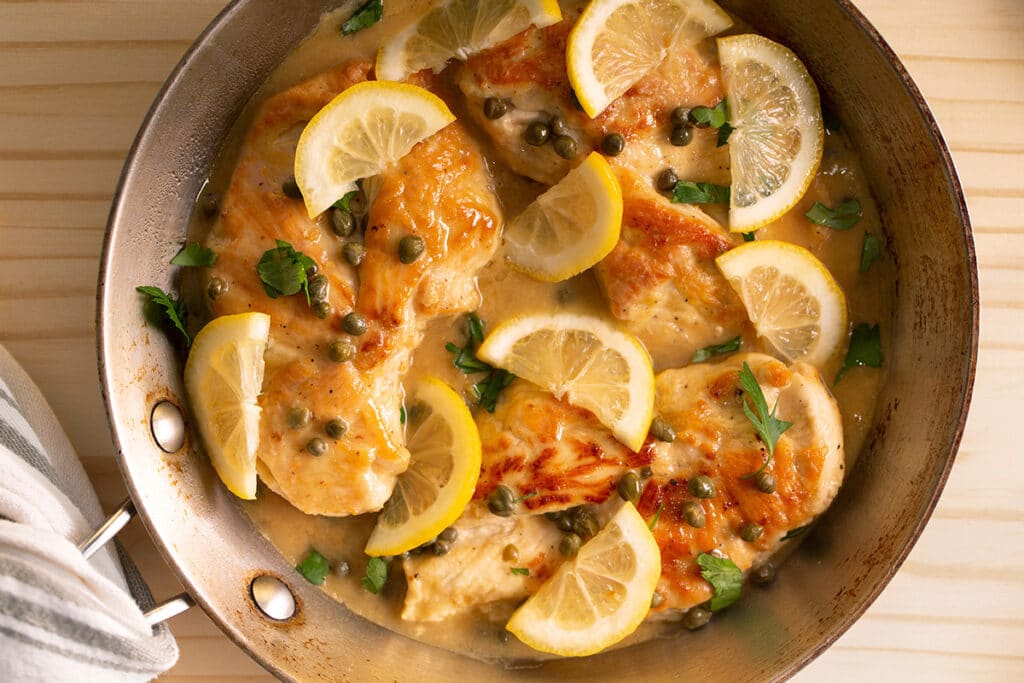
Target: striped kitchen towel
{"type": "Point", "coordinates": [62, 618]}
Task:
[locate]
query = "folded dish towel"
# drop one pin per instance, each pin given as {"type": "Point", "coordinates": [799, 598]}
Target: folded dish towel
{"type": "Point", "coordinates": [62, 617]}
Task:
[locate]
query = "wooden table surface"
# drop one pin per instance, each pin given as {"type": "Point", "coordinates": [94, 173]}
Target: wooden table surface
{"type": "Point", "coordinates": [76, 78]}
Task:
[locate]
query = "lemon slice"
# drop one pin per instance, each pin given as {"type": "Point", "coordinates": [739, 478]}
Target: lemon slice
{"type": "Point", "coordinates": [223, 377]}
{"type": "Point", "coordinates": [597, 598]}
{"type": "Point", "coordinates": [459, 28]}
{"type": "Point", "coordinates": [790, 297]}
{"type": "Point", "coordinates": [359, 133]}
{"type": "Point", "coordinates": [615, 43]}
{"type": "Point", "coordinates": [445, 448]}
{"type": "Point", "coordinates": [775, 147]}
{"type": "Point", "coordinates": [586, 360]}
{"type": "Point", "coordinates": [570, 227]}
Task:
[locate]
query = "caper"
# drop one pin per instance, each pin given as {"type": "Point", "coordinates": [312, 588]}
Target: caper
{"type": "Point", "coordinates": [693, 514]}
{"type": "Point", "coordinates": [558, 127]}
{"type": "Point", "coordinates": [504, 637]}
{"type": "Point", "coordinates": [342, 222]}
{"type": "Point", "coordinates": [681, 136]}
{"type": "Point", "coordinates": [316, 446]}
{"type": "Point", "coordinates": [501, 501]}
{"type": "Point", "coordinates": [667, 180]}
{"type": "Point", "coordinates": [357, 203]}
{"type": "Point", "coordinates": [564, 523]}
{"type": "Point", "coordinates": [680, 116]}
{"type": "Point", "coordinates": [216, 287]}
{"type": "Point", "coordinates": [584, 521]}
{"type": "Point", "coordinates": [646, 472]}
{"type": "Point", "coordinates": [510, 553]}
{"type": "Point", "coordinates": [354, 323]}
{"type": "Point", "coordinates": [298, 417]}
{"type": "Point", "coordinates": [322, 309]}
{"type": "Point", "coordinates": [702, 486]}
{"type": "Point", "coordinates": [662, 430]}
{"type": "Point", "coordinates": [751, 532]}
{"type": "Point", "coordinates": [341, 350]}
{"type": "Point", "coordinates": [629, 487]}
{"type": "Point", "coordinates": [565, 147]}
{"type": "Point", "coordinates": [569, 545]}
{"type": "Point", "coordinates": [353, 252]}
{"type": "Point", "coordinates": [342, 568]}
{"type": "Point", "coordinates": [764, 574]}
{"type": "Point", "coordinates": [319, 287]}
{"type": "Point", "coordinates": [336, 428]}
{"type": "Point", "coordinates": [613, 144]}
{"type": "Point", "coordinates": [448, 535]}
{"type": "Point", "coordinates": [552, 515]}
{"type": "Point", "coordinates": [537, 133]}
{"type": "Point", "coordinates": [657, 599]}
{"type": "Point", "coordinates": [209, 206]}
{"type": "Point", "coordinates": [410, 247]}
{"type": "Point", "coordinates": [696, 618]}
{"type": "Point", "coordinates": [290, 188]}
{"type": "Point", "coordinates": [442, 547]}
{"type": "Point", "coordinates": [311, 271]}
{"type": "Point", "coordinates": [495, 107]}
{"type": "Point", "coordinates": [765, 481]}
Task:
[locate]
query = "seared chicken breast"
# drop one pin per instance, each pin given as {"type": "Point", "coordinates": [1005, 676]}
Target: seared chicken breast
{"type": "Point", "coordinates": [441, 191]}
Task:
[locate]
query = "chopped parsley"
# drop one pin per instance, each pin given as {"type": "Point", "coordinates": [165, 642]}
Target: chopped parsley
{"type": "Point", "coordinates": [843, 217]}
{"type": "Point", "coordinates": [314, 567]}
{"type": "Point", "coordinates": [171, 309]}
{"type": "Point", "coordinates": [283, 271]}
{"type": "Point", "coordinates": [376, 574]}
{"type": "Point", "coordinates": [723, 134]}
{"type": "Point", "coordinates": [401, 414]}
{"type": "Point", "coordinates": [713, 117]}
{"type": "Point", "coordinates": [725, 578]}
{"type": "Point", "coordinates": [344, 202]}
{"type": "Point", "coordinates": [687, 192]}
{"type": "Point", "coordinates": [657, 515]}
{"type": "Point", "coordinates": [464, 358]}
{"type": "Point", "coordinates": [799, 531]}
{"type": "Point", "coordinates": [869, 251]}
{"type": "Point", "coordinates": [768, 427]}
{"type": "Point", "coordinates": [520, 571]}
{"type": "Point", "coordinates": [194, 254]}
{"type": "Point", "coordinates": [865, 349]}
{"type": "Point", "coordinates": [366, 16]}
{"type": "Point", "coordinates": [728, 347]}
{"type": "Point", "coordinates": [749, 236]}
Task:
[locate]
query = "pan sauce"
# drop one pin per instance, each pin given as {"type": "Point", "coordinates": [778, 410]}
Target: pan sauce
{"type": "Point", "coordinates": [869, 299]}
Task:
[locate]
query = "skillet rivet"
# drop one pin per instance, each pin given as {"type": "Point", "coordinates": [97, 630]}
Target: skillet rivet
{"type": "Point", "coordinates": [273, 597]}
{"type": "Point", "coordinates": [168, 426]}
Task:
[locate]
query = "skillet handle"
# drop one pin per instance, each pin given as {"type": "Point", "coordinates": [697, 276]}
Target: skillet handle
{"type": "Point", "coordinates": [107, 531]}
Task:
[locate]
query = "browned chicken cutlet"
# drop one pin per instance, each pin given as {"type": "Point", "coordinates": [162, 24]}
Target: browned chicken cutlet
{"type": "Point", "coordinates": [661, 279]}
{"type": "Point", "coordinates": [441, 192]}
{"type": "Point", "coordinates": [529, 72]}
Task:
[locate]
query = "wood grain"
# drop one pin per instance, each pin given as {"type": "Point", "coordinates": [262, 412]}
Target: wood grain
{"type": "Point", "coordinates": [77, 77]}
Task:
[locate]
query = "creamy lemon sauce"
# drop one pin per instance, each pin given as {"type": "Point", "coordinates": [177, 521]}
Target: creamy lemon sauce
{"type": "Point", "coordinates": [506, 293]}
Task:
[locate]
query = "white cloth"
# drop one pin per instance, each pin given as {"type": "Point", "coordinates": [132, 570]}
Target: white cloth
{"type": "Point", "coordinates": [62, 617]}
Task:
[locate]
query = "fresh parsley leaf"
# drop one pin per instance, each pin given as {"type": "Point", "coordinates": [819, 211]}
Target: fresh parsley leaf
{"type": "Point", "coordinates": [723, 134]}
{"type": "Point", "coordinates": [725, 578]}
{"type": "Point", "coordinates": [657, 515]}
{"type": "Point", "coordinates": [194, 254]}
{"type": "Point", "coordinates": [769, 427]}
{"type": "Point", "coordinates": [464, 358]}
{"type": "Point", "coordinates": [714, 117]}
{"type": "Point", "coordinates": [687, 192]}
{"type": "Point", "coordinates": [173, 309]}
{"type": "Point", "coordinates": [520, 571]}
{"type": "Point", "coordinates": [715, 349]}
{"type": "Point", "coordinates": [843, 217]}
{"type": "Point", "coordinates": [401, 414]}
{"type": "Point", "coordinates": [799, 531]}
{"type": "Point", "coordinates": [367, 15]}
{"type": "Point", "coordinates": [314, 567]}
{"type": "Point", "coordinates": [343, 203]}
{"type": "Point", "coordinates": [749, 236]}
{"type": "Point", "coordinates": [869, 251]}
{"type": "Point", "coordinates": [283, 271]}
{"type": "Point", "coordinates": [865, 349]}
{"type": "Point", "coordinates": [376, 574]}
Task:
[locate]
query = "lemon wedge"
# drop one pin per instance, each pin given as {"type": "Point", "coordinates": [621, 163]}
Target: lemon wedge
{"type": "Point", "coordinates": [597, 598]}
{"type": "Point", "coordinates": [615, 43]}
{"type": "Point", "coordinates": [584, 359]}
{"type": "Point", "coordinates": [459, 28]}
{"type": "Point", "coordinates": [776, 143]}
{"type": "Point", "coordinates": [445, 462]}
{"type": "Point", "coordinates": [358, 133]}
{"type": "Point", "coordinates": [792, 299]}
{"type": "Point", "coordinates": [570, 227]}
{"type": "Point", "coordinates": [223, 377]}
